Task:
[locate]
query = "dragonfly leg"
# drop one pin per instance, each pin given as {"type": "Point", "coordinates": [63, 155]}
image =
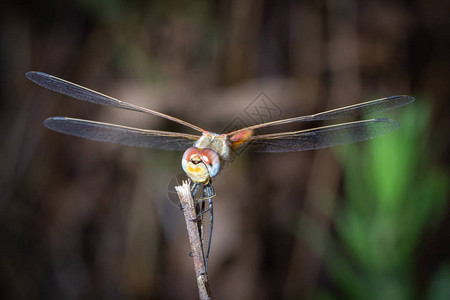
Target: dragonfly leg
{"type": "Point", "coordinates": [194, 189]}
{"type": "Point", "coordinates": [210, 194]}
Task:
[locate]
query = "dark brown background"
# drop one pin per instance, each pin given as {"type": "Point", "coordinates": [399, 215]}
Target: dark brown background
{"type": "Point", "coordinates": [81, 219]}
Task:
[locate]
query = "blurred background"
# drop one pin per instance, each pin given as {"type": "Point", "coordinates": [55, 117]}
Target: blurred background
{"type": "Point", "coordinates": [88, 220]}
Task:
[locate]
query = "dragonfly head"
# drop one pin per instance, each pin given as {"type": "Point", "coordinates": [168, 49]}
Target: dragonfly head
{"type": "Point", "coordinates": [200, 164]}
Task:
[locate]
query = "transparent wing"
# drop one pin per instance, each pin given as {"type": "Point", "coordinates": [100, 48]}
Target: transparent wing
{"type": "Point", "coordinates": [356, 110]}
{"type": "Point", "coordinates": [322, 137]}
{"type": "Point", "coordinates": [78, 92]}
{"type": "Point", "coordinates": [128, 136]}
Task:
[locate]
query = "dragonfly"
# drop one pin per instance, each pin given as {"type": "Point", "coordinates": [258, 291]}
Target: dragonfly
{"type": "Point", "coordinates": [206, 153]}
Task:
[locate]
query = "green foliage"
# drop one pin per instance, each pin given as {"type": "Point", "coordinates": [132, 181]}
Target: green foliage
{"type": "Point", "coordinates": [393, 192]}
{"type": "Point", "coordinates": [439, 287]}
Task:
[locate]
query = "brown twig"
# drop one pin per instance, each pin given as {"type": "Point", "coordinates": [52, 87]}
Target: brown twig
{"type": "Point", "coordinates": [184, 193]}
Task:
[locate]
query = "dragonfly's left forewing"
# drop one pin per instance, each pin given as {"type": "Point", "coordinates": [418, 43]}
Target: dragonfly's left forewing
{"type": "Point", "coordinates": [129, 136]}
{"type": "Point", "coordinates": [322, 137]}
{"type": "Point", "coordinates": [76, 91]}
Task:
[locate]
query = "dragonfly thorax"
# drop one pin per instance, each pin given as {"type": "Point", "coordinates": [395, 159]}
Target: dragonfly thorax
{"type": "Point", "coordinates": [217, 142]}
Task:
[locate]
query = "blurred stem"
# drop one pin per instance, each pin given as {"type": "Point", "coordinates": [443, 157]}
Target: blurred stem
{"type": "Point", "coordinates": [187, 203]}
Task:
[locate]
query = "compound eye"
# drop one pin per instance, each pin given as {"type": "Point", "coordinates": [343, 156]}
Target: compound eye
{"type": "Point", "coordinates": [212, 161]}
{"type": "Point", "coordinates": [190, 153]}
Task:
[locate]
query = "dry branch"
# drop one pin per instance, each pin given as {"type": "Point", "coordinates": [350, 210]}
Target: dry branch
{"type": "Point", "coordinates": [187, 204]}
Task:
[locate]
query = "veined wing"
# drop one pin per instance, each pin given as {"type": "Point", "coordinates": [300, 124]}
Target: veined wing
{"type": "Point", "coordinates": [322, 137]}
{"type": "Point", "coordinates": [360, 109]}
{"type": "Point", "coordinates": [79, 92]}
{"type": "Point", "coordinates": [128, 136]}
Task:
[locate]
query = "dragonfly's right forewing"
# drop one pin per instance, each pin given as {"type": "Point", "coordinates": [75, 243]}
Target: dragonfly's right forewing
{"type": "Point", "coordinates": [322, 137]}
